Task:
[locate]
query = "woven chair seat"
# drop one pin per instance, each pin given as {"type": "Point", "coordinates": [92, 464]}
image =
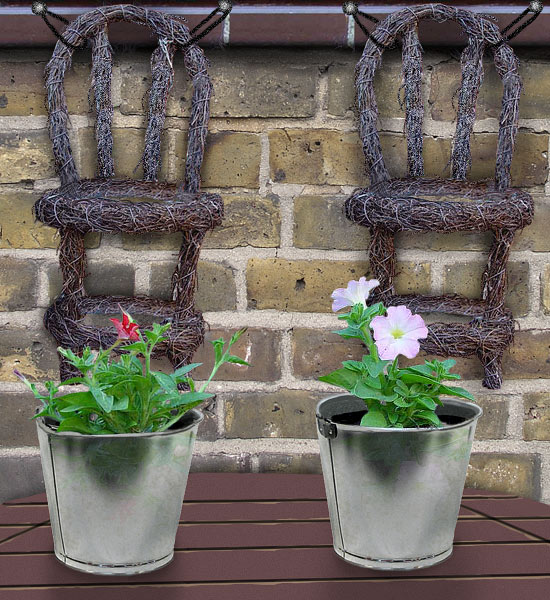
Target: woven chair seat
{"type": "Point", "coordinates": [77, 333]}
{"type": "Point", "coordinates": [421, 204]}
{"type": "Point", "coordinates": [128, 206]}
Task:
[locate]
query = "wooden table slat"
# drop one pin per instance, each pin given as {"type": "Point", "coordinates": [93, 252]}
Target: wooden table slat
{"type": "Point", "coordinates": [283, 564]}
{"type": "Point", "coordinates": [263, 535]}
{"type": "Point", "coordinates": [538, 527]}
{"type": "Point", "coordinates": [519, 507]}
{"type": "Point", "coordinates": [256, 486]}
{"type": "Point", "coordinates": [521, 588]}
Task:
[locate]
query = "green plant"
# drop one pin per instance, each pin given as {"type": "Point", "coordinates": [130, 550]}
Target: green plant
{"type": "Point", "coordinates": [394, 397]}
{"type": "Point", "coordinates": [125, 395]}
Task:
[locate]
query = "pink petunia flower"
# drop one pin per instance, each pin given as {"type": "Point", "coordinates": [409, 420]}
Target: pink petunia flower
{"type": "Point", "coordinates": [357, 292]}
{"type": "Point", "coordinates": [398, 333]}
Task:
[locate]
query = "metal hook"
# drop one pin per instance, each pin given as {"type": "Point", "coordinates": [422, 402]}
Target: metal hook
{"type": "Point", "coordinates": [40, 9]}
{"type": "Point", "coordinates": [352, 10]}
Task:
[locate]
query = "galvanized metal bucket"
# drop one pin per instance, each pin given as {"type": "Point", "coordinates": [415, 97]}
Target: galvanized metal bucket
{"type": "Point", "coordinates": [394, 494]}
{"type": "Point", "coordinates": [115, 500]}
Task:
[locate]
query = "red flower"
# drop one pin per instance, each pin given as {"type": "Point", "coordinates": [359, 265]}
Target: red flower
{"type": "Point", "coordinates": [127, 330]}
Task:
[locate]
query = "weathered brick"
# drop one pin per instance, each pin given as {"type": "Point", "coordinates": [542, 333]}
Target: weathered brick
{"type": "Point", "coordinates": [17, 428]}
{"type": "Point", "coordinates": [22, 91]}
{"type": "Point", "coordinates": [250, 221]}
{"type": "Point", "coordinates": [103, 279]}
{"type": "Point", "coordinates": [316, 352]}
{"type": "Point", "coordinates": [465, 279]}
{"type": "Point", "coordinates": [282, 414]}
{"type": "Point", "coordinates": [243, 86]}
{"type": "Point", "coordinates": [534, 102]}
{"type": "Point", "coordinates": [320, 222]}
{"type": "Point", "coordinates": [215, 286]}
{"type": "Point", "coordinates": [536, 419]}
{"type": "Point", "coordinates": [492, 424]}
{"type": "Point", "coordinates": [30, 351]}
{"type": "Point", "coordinates": [529, 356]}
{"type": "Point", "coordinates": [231, 159]}
{"type": "Point", "coordinates": [444, 242]}
{"type": "Point", "coordinates": [535, 236]}
{"type": "Point", "coordinates": [545, 291]}
{"type": "Point", "coordinates": [260, 347]}
{"type": "Point", "coordinates": [508, 473]}
{"type": "Point", "coordinates": [221, 462]}
{"type": "Point", "coordinates": [324, 156]}
{"type": "Point", "coordinates": [128, 145]}
{"type": "Point", "coordinates": [529, 165]}
{"type": "Point", "coordinates": [342, 92]}
{"type": "Point", "coordinates": [305, 462]}
{"type": "Point", "coordinates": [208, 429]}
{"type": "Point", "coordinates": [18, 284]}
{"type": "Point", "coordinates": [19, 228]}
{"type": "Point", "coordinates": [26, 156]}
{"type": "Point", "coordinates": [306, 285]}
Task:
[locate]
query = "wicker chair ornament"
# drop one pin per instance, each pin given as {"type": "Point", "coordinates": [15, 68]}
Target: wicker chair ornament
{"type": "Point", "coordinates": [420, 204]}
{"type": "Point", "coordinates": [109, 205]}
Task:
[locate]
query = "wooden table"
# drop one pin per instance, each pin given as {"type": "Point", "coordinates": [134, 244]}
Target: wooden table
{"type": "Point", "coordinates": [267, 537]}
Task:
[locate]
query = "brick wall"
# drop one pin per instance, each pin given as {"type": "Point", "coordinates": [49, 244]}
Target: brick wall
{"type": "Point", "coordinates": [284, 152]}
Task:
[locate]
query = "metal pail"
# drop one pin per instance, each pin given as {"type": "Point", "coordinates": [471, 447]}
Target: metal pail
{"type": "Point", "coordinates": [115, 500]}
{"type": "Point", "coordinates": [394, 494]}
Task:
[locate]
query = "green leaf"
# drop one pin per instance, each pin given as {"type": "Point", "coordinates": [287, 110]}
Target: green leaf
{"type": "Point", "coordinates": [375, 367]}
{"type": "Point", "coordinates": [365, 392]}
{"type": "Point", "coordinates": [426, 402]}
{"type": "Point", "coordinates": [218, 348]}
{"type": "Point", "coordinates": [456, 391]}
{"type": "Point", "coordinates": [402, 403]}
{"type": "Point", "coordinates": [422, 369]}
{"type": "Point", "coordinates": [185, 369]}
{"type": "Point", "coordinates": [82, 398]}
{"type": "Point", "coordinates": [104, 400]}
{"type": "Point", "coordinates": [353, 365]}
{"type": "Point", "coordinates": [236, 360]}
{"type": "Point", "coordinates": [188, 398]}
{"type": "Point", "coordinates": [121, 403]}
{"type": "Point", "coordinates": [139, 347]}
{"type": "Point", "coordinates": [72, 381]}
{"type": "Point", "coordinates": [374, 418]}
{"type": "Point", "coordinates": [75, 424]}
{"type": "Point", "coordinates": [166, 382]}
{"type": "Point", "coordinates": [349, 332]}
{"type": "Point", "coordinates": [413, 378]}
{"type": "Point", "coordinates": [236, 336]}
{"type": "Point", "coordinates": [429, 416]}
{"type": "Point", "coordinates": [342, 378]}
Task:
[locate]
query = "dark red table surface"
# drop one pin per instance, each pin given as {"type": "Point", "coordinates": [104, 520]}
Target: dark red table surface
{"type": "Point", "coordinates": [267, 537]}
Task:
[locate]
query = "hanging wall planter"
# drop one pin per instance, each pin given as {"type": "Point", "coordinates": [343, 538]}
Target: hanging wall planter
{"type": "Point", "coordinates": [444, 205]}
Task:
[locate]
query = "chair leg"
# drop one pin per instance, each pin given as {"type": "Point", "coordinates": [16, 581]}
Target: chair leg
{"type": "Point", "coordinates": [72, 262]}
{"type": "Point", "coordinates": [494, 288]}
{"type": "Point", "coordinates": [494, 277]}
{"type": "Point", "coordinates": [492, 365]}
{"type": "Point", "coordinates": [382, 262]}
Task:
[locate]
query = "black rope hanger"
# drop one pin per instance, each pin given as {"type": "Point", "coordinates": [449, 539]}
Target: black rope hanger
{"type": "Point", "coordinates": [535, 7]}
{"type": "Point", "coordinates": [224, 7]}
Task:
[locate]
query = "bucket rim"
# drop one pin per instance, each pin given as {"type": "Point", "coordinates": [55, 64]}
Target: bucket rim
{"type": "Point", "coordinates": [395, 430]}
{"type": "Point", "coordinates": [198, 417]}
